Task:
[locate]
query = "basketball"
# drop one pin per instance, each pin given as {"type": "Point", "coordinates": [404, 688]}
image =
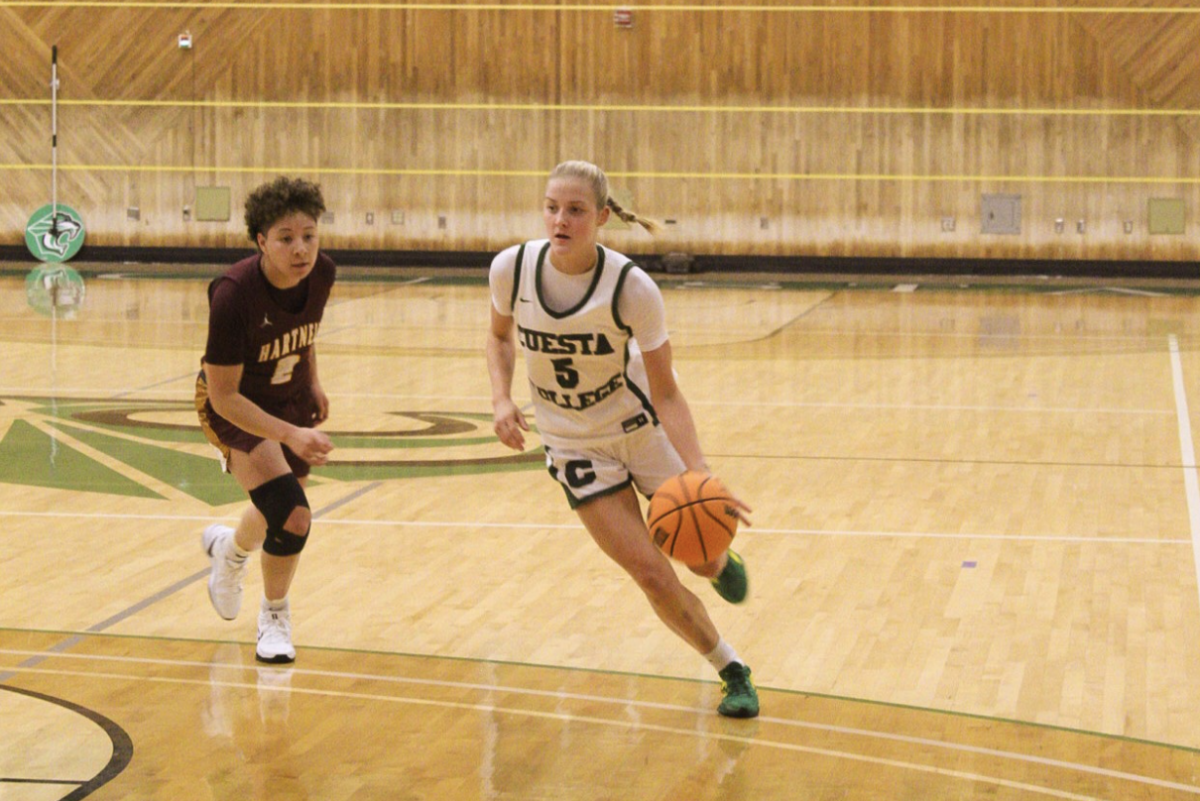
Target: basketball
{"type": "Point", "coordinates": [692, 518]}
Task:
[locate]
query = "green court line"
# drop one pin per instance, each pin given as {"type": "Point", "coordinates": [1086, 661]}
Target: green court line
{"type": "Point", "coordinates": [198, 476]}
{"type": "Point", "coordinates": [67, 410]}
{"type": "Point", "coordinates": [674, 176]}
{"type": "Point", "coordinates": [174, 435]}
{"type": "Point", "coordinates": [699, 282]}
{"type": "Point", "coordinates": [632, 674]}
{"type": "Point", "coordinates": [606, 9]}
{"type": "Point", "coordinates": [564, 107]}
{"type": "Point", "coordinates": [29, 457]}
{"type": "Point", "coordinates": [349, 472]}
{"type": "Point", "coordinates": [357, 440]}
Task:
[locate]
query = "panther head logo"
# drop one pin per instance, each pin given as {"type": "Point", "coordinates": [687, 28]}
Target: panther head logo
{"type": "Point", "coordinates": [55, 231]}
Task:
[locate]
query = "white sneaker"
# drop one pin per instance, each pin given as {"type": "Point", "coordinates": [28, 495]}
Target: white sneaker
{"type": "Point", "coordinates": [275, 636]}
{"type": "Point", "coordinates": [225, 580]}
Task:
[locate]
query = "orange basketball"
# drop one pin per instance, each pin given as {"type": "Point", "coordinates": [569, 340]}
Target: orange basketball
{"type": "Point", "coordinates": [692, 518]}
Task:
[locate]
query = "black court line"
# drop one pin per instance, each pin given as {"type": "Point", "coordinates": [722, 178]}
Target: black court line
{"type": "Point", "coordinates": [121, 742]}
{"type": "Point", "coordinates": [5, 780]}
{"type": "Point", "coordinates": [351, 497]}
{"type": "Point", "coordinates": [122, 747]}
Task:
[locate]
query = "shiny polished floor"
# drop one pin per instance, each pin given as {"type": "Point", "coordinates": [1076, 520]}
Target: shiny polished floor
{"type": "Point", "coordinates": [973, 560]}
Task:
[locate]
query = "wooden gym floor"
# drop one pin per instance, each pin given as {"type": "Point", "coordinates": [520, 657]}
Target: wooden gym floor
{"type": "Point", "coordinates": [973, 565]}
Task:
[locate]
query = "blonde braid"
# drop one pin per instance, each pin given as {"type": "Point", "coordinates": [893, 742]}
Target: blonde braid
{"type": "Point", "coordinates": [651, 226]}
{"type": "Point", "coordinates": [593, 175]}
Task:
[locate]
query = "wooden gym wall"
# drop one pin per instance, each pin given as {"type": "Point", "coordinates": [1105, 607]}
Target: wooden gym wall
{"type": "Point", "coordinates": [785, 131]}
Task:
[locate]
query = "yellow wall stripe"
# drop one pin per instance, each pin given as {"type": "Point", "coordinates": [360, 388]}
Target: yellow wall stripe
{"type": "Point", "coordinates": [714, 176]}
{"type": "Point", "coordinates": [371, 106]}
{"type": "Point", "coordinates": [607, 9]}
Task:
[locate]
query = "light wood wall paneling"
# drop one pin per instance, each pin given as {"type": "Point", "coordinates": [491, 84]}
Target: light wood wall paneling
{"type": "Point", "coordinates": [891, 121]}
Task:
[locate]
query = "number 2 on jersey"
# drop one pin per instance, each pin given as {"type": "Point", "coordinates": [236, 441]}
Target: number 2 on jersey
{"type": "Point", "coordinates": [284, 368]}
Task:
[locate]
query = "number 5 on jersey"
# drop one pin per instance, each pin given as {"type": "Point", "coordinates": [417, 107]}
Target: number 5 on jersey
{"type": "Point", "coordinates": [568, 376]}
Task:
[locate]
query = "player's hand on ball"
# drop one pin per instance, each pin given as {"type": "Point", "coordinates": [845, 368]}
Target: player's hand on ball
{"type": "Point", "coordinates": [742, 510]}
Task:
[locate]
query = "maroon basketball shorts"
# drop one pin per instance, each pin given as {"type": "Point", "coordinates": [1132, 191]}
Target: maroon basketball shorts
{"type": "Point", "coordinates": [299, 410]}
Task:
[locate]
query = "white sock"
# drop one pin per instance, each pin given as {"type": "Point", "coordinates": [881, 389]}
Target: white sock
{"type": "Point", "coordinates": [274, 606]}
{"type": "Point", "coordinates": [233, 551]}
{"type": "Point", "coordinates": [722, 655]}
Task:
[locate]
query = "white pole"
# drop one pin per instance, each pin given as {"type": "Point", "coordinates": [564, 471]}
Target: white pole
{"type": "Point", "coordinates": [54, 232]}
{"type": "Point", "coordinates": [54, 139]}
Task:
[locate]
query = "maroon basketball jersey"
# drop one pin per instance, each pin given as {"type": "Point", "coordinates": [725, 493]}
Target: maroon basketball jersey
{"type": "Point", "coordinates": [276, 343]}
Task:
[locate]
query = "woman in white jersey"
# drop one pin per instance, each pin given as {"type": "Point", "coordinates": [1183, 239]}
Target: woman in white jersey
{"type": "Point", "coordinates": [609, 412]}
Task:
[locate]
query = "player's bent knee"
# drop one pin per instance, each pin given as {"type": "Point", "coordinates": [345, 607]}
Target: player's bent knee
{"type": "Point", "coordinates": [284, 543]}
{"type": "Point", "coordinates": [299, 522]}
{"type": "Point", "coordinates": [285, 506]}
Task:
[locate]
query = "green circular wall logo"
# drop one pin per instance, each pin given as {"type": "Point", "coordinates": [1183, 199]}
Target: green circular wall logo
{"type": "Point", "coordinates": [54, 234]}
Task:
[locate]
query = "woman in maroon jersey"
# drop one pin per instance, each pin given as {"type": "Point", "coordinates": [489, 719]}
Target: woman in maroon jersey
{"type": "Point", "coordinates": [259, 397]}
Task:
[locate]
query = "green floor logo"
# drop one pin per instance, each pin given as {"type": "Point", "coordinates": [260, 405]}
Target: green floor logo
{"type": "Point", "coordinates": [137, 448]}
{"type": "Point", "coordinates": [54, 233]}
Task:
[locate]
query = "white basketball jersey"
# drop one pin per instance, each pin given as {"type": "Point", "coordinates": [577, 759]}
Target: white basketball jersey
{"type": "Point", "coordinates": [586, 374]}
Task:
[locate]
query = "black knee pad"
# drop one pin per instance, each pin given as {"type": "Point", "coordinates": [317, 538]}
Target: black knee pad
{"type": "Point", "coordinates": [277, 499]}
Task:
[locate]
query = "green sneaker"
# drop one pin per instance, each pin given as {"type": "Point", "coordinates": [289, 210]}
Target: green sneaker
{"type": "Point", "coordinates": [741, 699]}
{"type": "Point", "coordinates": [732, 584]}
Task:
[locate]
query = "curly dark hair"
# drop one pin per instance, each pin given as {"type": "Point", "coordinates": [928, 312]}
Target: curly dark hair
{"type": "Point", "coordinates": [273, 201]}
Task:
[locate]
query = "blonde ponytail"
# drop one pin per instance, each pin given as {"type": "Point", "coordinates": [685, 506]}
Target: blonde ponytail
{"type": "Point", "coordinates": [594, 176]}
{"type": "Point", "coordinates": [651, 226]}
